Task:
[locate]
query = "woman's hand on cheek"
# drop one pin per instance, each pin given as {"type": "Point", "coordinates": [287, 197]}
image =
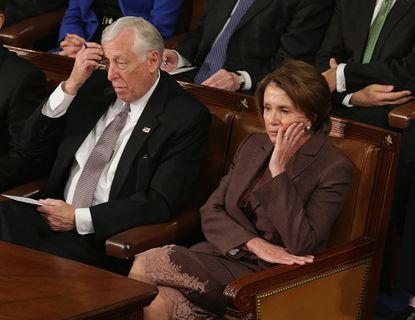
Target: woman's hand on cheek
{"type": "Point", "coordinates": [286, 144]}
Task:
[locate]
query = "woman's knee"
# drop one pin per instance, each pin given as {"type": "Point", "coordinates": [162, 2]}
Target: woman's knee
{"type": "Point", "coordinates": [146, 264]}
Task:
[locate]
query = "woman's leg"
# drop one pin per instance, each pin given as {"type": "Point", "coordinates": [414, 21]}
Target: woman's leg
{"type": "Point", "coordinates": [157, 309]}
{"type": "Point", "coordinates": [170, 304]}
{"type": "Point", "coordinates": [154, 267]}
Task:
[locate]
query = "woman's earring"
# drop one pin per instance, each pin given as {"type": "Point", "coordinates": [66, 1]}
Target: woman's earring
{"type": "Point", "coordinates": [307, 129]}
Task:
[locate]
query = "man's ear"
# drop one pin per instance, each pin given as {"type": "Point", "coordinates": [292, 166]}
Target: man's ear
{"type": "Point", "coordinates": [153, 60]}
{"type": "Point", "coordinates": [2, 18]}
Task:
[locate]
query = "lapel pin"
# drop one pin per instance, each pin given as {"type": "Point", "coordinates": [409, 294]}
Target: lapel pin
{"type": "Point", "coordinates": [146, 129]}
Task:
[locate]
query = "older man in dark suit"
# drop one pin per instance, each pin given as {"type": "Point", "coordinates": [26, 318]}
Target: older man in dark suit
{"type": "Point", "coordinates": [129, 149]}
{"type": "Point", "coordinates": [368, 59]}
{"type": "Point", "coordinates": [23, 87]}
{"type": "Point", "coordinates": [239, 42]}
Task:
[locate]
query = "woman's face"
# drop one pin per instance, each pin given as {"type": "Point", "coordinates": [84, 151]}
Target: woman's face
{"type": "Point", "coordinates": [280, 111]}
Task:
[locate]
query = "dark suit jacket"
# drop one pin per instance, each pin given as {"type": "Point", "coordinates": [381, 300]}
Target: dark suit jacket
{"type": "Point", "coordinates": [295, 209]}
{"type": "Point", "coordinates": [158, 168]}
{"type": "Point", "coordinates": [18, 10]}
{"type": "Point", "coordinates": [22, 88]}
{"type": "Point", "coordinates": [393, 60]}
{"type": "Point", "coordinates": [271, 31]}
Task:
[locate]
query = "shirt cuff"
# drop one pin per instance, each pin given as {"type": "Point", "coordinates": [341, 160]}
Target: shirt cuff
{"type": "Point", "coordinates": [83, 221]}
{"type": "Point", "coordinates": [346, 100]}
{"type": "Point", "coordinates": [340, 78]}
{"type": "Point", "coordinates": [247, 80]}
{"type": "Point", "coordinates": [182, 62]}
{"type": "Point", "coordinates": [58, 103]}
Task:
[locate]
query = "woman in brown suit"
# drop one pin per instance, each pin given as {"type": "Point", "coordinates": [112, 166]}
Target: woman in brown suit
{"type": "Point", "coordinates": [277, 204]}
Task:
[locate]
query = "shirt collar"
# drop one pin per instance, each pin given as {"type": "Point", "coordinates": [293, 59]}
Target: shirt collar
{"type": "Point", "coordinates": [144, 99]}
{"type": "Point", "coordinates": [136, 104]}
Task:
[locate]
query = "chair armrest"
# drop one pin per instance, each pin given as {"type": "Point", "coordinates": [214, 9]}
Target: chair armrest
{"type": "Point", "coordinates": [127, 244]}
{"type": "Point", "coordinates": [400, 117]}
{"type": "Point", "coordinates": [286, 284]}
{"type": "Point", "coordinates": [28, 31]}
{"type": "Point", "coordinates": [30, 190]}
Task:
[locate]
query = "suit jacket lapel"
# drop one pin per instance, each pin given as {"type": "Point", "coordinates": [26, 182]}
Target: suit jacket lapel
{"type": "Point", "coordinates": [364, 12]}
{"type": "Point", "coordinates": [305, 155]}
{"type": "Point", "coordinates": [86, 117]}
{"type": "Point", "coordinates": [217, 21]}
{"type": "Point", "coordinates": [303, 158]}
{"type": "Point", "coordinates": [398, 11]}
{"type": "Point", "coordinates": [146, 125]}
{"type": "Point", "coordinates": [256, 7]}
{"type": "Point", "coordinates": [83, 119]}
{"type": "Point", "coordinates": [254, 164]}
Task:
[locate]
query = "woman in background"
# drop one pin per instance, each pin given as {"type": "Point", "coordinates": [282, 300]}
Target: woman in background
{"type": "Point", "coordinates": [84, 20]}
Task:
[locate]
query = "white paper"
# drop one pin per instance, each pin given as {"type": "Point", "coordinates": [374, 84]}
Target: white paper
{"type": "Point", "coordinates": [23, 199]}
{"type": "Point", "coordinates": [181, 70]}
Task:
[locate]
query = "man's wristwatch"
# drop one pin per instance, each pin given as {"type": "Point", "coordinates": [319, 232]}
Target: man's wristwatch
{"type": "Point", "coordinates": [241, 79]}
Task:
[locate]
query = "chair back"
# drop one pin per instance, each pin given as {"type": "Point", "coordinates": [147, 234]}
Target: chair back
{"type": "Point", "coordinates": [352, 220]}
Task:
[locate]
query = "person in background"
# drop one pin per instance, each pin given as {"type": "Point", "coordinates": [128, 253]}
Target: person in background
{"type": "Point", "coordinates": [238, 42]}
{"type": "Point", "coordinates": [369, 72]}
{"type": "Point", "coordinates": [23, 87]}
{"type": "Point", "coordinates": [84, 20]}
{"type": "Point", "coordinates": [369, 65]}
{"type": "Point", "coordinates": [130, 145]}
{"type": "Point", "coordinates": [277, 204]}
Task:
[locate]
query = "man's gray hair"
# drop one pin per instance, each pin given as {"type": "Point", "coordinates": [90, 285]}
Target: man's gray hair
{"type": "Point", "coordinates": [146, 36]}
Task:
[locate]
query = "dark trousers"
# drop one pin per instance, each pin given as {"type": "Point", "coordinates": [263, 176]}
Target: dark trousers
{"type": "Point", "coordinates": [21, 224]}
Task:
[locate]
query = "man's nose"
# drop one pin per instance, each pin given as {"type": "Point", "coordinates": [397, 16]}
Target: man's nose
{"type": "Point", "coordinates": [112, 74]}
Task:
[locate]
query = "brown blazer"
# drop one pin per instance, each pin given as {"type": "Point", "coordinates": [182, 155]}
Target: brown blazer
{"type": "Point", "coordinates": [295, 209]}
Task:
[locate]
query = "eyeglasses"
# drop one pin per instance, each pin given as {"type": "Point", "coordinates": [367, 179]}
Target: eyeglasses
{"type": "Point", "coordinates": [104, 64]}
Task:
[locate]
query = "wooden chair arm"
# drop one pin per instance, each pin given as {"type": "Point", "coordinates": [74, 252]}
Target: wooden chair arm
{"type": "Point", "coordinates": [28, 31]}
{"type": "Point", "coordinates": [30, 189]}
{"type": "Point", "coordinates": [127, 244]}
{"type": "Point", "coordinates": [243, 296]}
{"type": "Point", "coordinates": [400, 117]}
